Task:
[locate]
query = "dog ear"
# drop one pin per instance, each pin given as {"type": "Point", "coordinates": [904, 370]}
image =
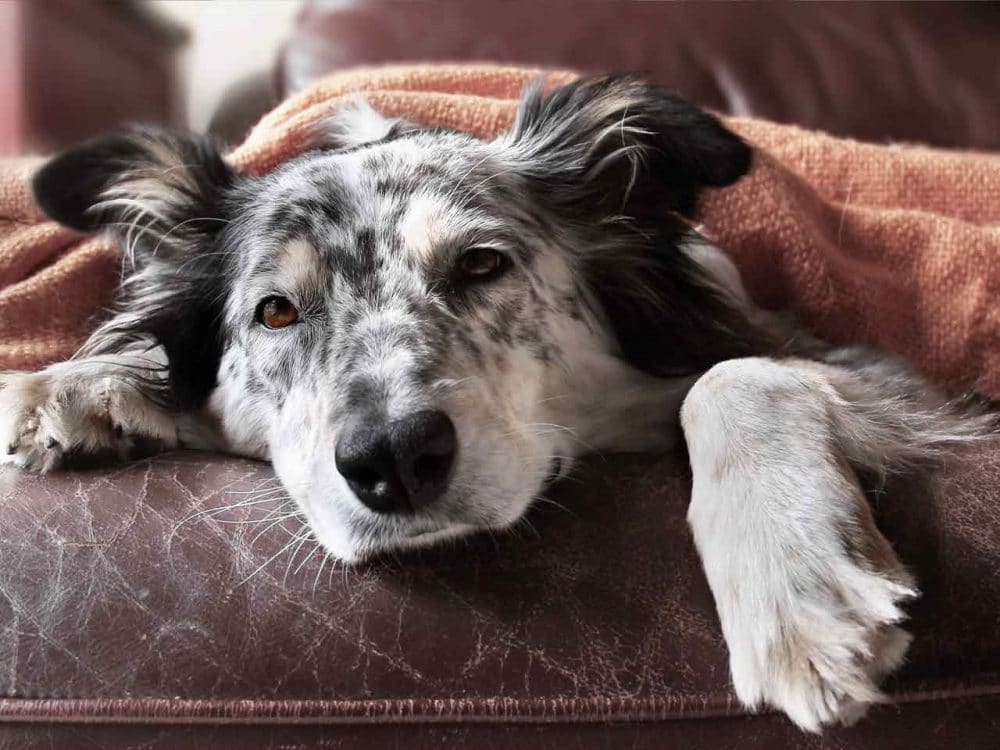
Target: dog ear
{"type": "Point", "coordinates": [148, 178]}
{"type": "Point", "coordinates": [624, 146]}
{"type": "Point", "coordinates": [164, 195]}
{"type": "Point", "coordinates": [618, 160]}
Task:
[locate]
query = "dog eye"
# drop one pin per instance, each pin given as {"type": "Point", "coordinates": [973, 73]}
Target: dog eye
{"type": "Point", "coordinates": [276, 312]}
{"type": "Point", "coordinates": [482, 264]}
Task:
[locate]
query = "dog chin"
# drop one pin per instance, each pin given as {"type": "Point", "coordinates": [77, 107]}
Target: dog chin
{"type": "Point", "coordinates": [420, 538]}
{"type": "Point", "coordinates": [421, 534]}
{"type": "Point", "coordinates": [433, 537]}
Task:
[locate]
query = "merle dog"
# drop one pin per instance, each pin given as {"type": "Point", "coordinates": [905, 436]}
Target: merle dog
{"type": "Point", "coordinates": [421, 329]}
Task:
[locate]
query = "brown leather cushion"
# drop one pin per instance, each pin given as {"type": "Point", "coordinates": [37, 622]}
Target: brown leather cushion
{"type": "Point", "coordinates": [874, 71]}
{"type": "Point", "coordinates": [113, 589]}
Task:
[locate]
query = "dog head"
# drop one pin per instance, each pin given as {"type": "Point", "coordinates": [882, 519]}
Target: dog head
{"type": "Point", "coordinates": [419, 328]}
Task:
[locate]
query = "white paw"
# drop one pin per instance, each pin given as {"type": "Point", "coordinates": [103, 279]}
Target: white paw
{"type": "Point", "coordinates": [819, 652]}
{"type": "Point", "coordinates": [46, 416]}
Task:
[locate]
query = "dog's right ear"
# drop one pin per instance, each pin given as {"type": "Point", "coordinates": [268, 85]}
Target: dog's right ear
{"type": "Point", "coordinates": [148, 180]}
{"type": "Point", "coordinates": [165, 196]}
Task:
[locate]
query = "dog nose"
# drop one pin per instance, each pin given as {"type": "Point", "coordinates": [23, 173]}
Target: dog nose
{"type": "Point", "coordinates": [397, 466]}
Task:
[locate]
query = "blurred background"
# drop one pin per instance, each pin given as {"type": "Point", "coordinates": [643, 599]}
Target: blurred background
{"type": "Point", "coordinates": [883, 71]}
{"type": "Point", "coordinates": [70, 69]}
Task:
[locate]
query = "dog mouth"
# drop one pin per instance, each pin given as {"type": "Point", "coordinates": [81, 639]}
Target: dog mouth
{"type": "Point", "coordinates": [379, 535]}
{"type": "Point", "coordinates": [428, 532]}
{"type": "Point", "coordinates": [421, 538]}
{"type": "Point", "coordinates": [429, 536]}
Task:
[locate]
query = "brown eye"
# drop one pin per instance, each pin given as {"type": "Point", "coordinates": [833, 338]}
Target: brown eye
{"type": "Point", "coordinates": [277, 312]}
{"type": "Point", "coordinates": [482, 263]}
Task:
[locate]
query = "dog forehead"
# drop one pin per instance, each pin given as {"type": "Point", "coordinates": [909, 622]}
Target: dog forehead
{"type": "Point", "coordinates": [428, 220]}
{"type": "Point", "coordinates": [412, 192]}
{"type": "Point", "coordinates": [427, 156]}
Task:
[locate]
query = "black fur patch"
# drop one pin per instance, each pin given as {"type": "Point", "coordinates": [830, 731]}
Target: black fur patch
{"type": "Point", "coordinates": [175, 282]}
{"type": "Point", "coordinates": [618, 160]}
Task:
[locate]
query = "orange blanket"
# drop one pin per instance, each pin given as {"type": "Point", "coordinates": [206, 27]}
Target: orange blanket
{"type": "Point", "coordinates": [896, 246]}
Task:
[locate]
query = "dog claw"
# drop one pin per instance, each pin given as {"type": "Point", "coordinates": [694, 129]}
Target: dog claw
{"type": "Point", "coordinates": [119, 430]}
{"type": "Point", "coordinates": [11, 449]}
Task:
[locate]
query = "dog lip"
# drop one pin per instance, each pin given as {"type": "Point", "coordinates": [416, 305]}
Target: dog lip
{"type": "Point", "coordinates": [427, 529]}
{"type": "Point", "coordinates": [436, 532]}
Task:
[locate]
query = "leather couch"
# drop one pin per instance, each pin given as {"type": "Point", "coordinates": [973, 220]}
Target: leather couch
{"type": "Point", "coordinates": [137, 610]}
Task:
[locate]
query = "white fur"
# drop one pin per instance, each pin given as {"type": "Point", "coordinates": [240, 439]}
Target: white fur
{"type": "Point", "coordinates": [297, 267]}
{"type": "Point", "coordinates": [428, 221]}
{"type": "Point", "coordinates": [80, 406]}
{"type": "Point", "coordinates": [354, 125]}
{"type": "Point", "coordinates": [784, 533]}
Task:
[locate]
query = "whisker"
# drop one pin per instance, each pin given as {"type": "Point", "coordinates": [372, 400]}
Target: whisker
{"type": "Point", "coordinates": [269, 527]}
{"type": "Point", "coordinates": [322, 563]}
{"type": "Point", "coordinates": [271, 559]}
{"type": "Point", "coordinates": [291, 558]}
{"type": "Point", "coordinates": [544, 500]}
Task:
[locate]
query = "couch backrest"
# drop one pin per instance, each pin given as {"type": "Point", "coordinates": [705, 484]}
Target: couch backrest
{"type": "Point", "coordinates": [881, 71]}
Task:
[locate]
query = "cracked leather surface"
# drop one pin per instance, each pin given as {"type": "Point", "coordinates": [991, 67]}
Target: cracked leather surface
{"type": "Point", "coordinates": [108, 588]}
{"type": "Point", "coordinates": [112, 588]}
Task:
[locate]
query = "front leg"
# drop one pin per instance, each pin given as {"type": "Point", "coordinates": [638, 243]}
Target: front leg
{"type": "Point", "coordinates": [93, 405]}
{"type": "Point", "coordinates": [807, 589]}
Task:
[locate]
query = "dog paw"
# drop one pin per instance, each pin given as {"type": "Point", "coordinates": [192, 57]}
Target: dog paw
{"type": "Point", "coordinates": [45, 417]}
{"type": "Point", "coordinates": [820, 652]}
{"type": "Point", "coordinates": [23, 442]}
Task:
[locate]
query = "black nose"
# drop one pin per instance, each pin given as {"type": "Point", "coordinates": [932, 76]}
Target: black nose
{"type": "Point", "coordinates": [397, 466]}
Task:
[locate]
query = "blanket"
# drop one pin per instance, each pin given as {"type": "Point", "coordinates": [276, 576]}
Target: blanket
{"type": "Point", "coordinates": [897, 246]}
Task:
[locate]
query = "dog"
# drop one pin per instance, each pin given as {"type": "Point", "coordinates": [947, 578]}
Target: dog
{"type": "Point", "coordinates": [421, 330]}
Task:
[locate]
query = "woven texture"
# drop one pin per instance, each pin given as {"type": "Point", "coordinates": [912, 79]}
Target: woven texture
{"type": "Point", "coordinates": [895, 246]}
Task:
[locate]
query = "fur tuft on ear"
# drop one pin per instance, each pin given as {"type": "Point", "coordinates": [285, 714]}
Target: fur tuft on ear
{"type": "Point", "coordinates": [620, 161]}
{"type": "Point", "coordinates": [626, 143]}
{"type": "Point", "coordinates": [145, 184]}
{"type": "Point", "coordinates": [355, 125]}
{"type": "Point", "coordinates": [165, 196]}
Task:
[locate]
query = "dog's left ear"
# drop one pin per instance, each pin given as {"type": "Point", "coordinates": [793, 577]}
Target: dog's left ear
{"type": "Point", "coordinates": [617, 160]}
{"type": "Point", "coordinates": [623, 145]}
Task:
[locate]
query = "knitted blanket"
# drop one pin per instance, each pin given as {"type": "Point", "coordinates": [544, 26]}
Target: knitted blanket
{"type": "Point", "coordinates": [896, 246]}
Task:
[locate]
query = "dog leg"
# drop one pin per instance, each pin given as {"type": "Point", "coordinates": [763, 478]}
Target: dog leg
{"type": "Point", "coordinates": [806, 588]}
{"type": "Point", "coordinates": [88, 406]}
